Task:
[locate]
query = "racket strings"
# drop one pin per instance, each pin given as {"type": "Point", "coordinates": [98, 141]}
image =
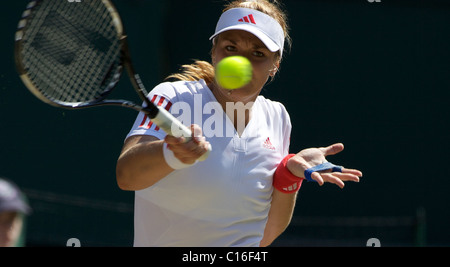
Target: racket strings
{"type": "Point", "coordinates": [71, 51]}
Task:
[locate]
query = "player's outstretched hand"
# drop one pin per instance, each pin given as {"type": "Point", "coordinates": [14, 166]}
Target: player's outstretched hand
{"type": "Point", "coordinates": [311, 157]}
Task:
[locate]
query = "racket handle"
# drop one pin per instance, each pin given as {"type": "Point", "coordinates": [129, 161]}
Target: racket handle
{"type": "Point", "coordinates": [168, 122]}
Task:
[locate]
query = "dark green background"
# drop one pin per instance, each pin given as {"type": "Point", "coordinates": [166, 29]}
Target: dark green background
{"type": "Point", "coordinates": [374, 76]}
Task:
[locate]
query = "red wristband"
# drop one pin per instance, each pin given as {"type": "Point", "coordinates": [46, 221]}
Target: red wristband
{"type": "Point", "coordinates": [283, 179]}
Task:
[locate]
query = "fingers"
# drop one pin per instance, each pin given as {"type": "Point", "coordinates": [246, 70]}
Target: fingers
{"type": "Point", "coordinates": [188, 152]}
{"type": "Point", "coordinates": [338, 178]}
{"type": "Point", "coordinates": [321, 178]}
{"type": "Point", "coordinates": [172, 140]}
{"type": "Point", "coordinates": [333, 149]}
{"type": "Point", "coordinates": [197, 134]}
{"type": "Point", "coordinates": [317, 177]}
{"type": "Point", "coordinates": [334, 179]}
{"type": "Point", "coordinates": [352, 171]}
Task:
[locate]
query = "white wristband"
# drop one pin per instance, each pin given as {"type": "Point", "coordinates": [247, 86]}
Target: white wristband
{"type": "Point", "coordinates": [173, 161]}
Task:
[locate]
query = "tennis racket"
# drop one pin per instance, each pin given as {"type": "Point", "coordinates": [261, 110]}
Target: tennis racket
{"type": "Point", "coordinates": [71, 54]}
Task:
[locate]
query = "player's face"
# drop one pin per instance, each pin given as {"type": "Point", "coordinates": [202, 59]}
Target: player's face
{"type": "Point", "coordinates": [242, 43]}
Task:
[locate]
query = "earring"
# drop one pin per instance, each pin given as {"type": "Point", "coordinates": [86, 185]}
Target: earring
{"type": "Point", "coordinates": [273, 71]}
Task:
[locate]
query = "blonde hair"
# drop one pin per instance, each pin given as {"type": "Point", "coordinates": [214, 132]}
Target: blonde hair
{"type": "Point", "coordinates": [204, 70]}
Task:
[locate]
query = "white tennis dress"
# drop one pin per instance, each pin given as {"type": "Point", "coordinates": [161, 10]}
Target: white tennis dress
{"type": "Point", "coordinates": [224, 200]}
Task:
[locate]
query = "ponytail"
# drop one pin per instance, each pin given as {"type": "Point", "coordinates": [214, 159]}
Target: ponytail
{"type": "Point", "coordinates": [199, 70]}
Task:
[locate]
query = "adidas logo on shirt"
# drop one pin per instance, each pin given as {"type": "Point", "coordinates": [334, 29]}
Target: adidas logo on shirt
{"type": "Point", "coordinates": [248, 19]}
{"type": "Point", "coordinates": [267, 144]}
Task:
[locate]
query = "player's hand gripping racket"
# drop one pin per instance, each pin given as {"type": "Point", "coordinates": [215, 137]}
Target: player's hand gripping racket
{"type": "Point", "coordinates": [72, 54]}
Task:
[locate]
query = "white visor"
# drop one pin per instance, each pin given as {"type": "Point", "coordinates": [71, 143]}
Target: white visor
{"type": "Point", "coordinates": [263, 26]}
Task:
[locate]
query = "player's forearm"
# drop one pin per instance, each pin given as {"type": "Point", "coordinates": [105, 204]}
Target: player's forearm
{"type": "Point", "coordinates": [141, 166]}
{"type": "Point", "coordinates": [280, 215]}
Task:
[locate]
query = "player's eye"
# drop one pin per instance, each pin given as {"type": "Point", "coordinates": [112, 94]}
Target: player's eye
{"type": "Point", "coordinates": [258, 54]}
{"type": "Point", "coordinates": [230, 48]}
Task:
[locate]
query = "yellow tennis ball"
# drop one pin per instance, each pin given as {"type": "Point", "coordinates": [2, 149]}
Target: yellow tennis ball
{"type": "Point", "coordinates": [233, 72]}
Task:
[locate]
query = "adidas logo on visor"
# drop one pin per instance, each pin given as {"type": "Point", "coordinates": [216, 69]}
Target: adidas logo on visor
{"type": "Point", "coordinates": [248, 19]}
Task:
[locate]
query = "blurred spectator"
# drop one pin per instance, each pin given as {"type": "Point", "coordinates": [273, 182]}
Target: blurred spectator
{"type": "Point", "coordinates": [13, 211]}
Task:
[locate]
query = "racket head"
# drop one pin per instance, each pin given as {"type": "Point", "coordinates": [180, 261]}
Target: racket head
{"type": "Point", "coordinates": [69, 54]}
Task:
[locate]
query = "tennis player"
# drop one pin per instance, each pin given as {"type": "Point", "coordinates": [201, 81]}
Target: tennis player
{"type": "Point", "coordinates": [244, 193]}
{"type": "Point", "coordinates": [13, 212]}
